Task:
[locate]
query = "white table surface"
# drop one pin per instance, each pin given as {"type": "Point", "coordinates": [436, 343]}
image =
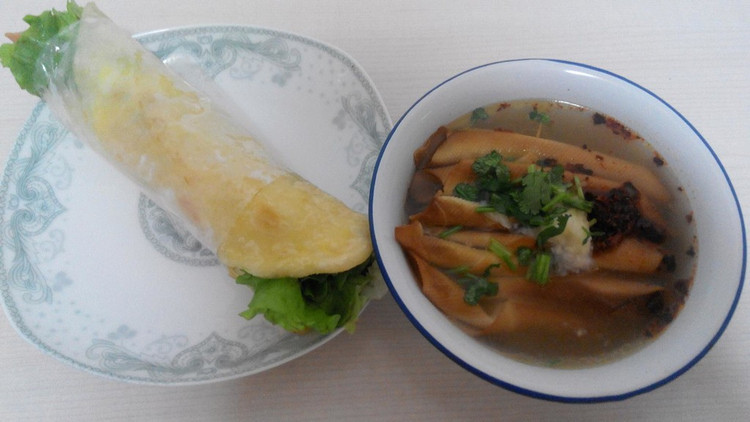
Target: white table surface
{"type": "Point", "coordinates": [693, 54]}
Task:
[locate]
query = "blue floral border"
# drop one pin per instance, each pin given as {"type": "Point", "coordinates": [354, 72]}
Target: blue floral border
{"type": "Point", "coordinates": [228, 359]}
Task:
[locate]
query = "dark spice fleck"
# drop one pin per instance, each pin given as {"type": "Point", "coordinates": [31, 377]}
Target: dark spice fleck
{"type": "Point", "coordinates": [615, 126]}
{"type": "Point", "coordinates": [690, 251]}
{"type": "Point", "coordinates": [578, 168]}
{"type": "Point", "coordinates": [646, 229]}
{"type": "Point", "coordinates": [668, 263]}
{"type": "Point", "coordinates": [547, 162]}
{"type": "Point", "coordinates": [655, 303]}
{"type": "Point", "coordinates": [658, 160]}
{"type": "Point", "coordinates": [502, 106]}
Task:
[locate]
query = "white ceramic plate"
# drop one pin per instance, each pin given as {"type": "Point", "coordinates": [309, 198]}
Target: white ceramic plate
{"type": "Point", "coordinates": [95, 275]}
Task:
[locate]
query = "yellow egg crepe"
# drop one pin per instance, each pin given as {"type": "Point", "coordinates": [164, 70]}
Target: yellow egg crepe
{"type": "Point", "coordinates": [195, 159]}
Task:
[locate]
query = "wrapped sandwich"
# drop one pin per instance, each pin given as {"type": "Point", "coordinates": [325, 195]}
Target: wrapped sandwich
{"type": "Point", "coordinates": [307, 257]}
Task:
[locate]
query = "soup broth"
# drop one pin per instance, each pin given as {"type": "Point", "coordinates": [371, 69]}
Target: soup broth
{"type": "Point", "coordinates": [602, 273]}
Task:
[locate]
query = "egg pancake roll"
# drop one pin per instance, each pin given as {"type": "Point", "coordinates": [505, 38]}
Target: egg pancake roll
{"type": "Point", "coordinates": [195, 159]}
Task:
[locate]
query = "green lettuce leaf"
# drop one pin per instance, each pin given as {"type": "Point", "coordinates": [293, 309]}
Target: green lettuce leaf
{"type": "Point", "coordinates": [321, 302]}
{"type": "Point", "coordinates": [21, 56]}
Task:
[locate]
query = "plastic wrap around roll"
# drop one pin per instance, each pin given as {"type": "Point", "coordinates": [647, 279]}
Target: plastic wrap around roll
{"type": "Point", "coordinates": [195, 160]}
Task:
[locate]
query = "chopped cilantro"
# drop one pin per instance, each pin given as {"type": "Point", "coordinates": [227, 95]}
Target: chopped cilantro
{"type": "Point", "coordinates": [466, 191]}
{"type": "Point", "coordinates": [502, 252]}
{"type": "Point", "coordinates": [540, 268]}
{"type": "Point", "coordinates": [488, 163]}
{"type": "Point", "coordinates": [579, 187]}
{"type": "Point", "coordinates": [539, 117]}
{"type": "Point", "coordinates": [540, 198]}
{"type": "Point", "coordinates": [535, 199]}
{"type": "Point", "coordinates": [589, 233]}
{"type": "Point", "coordinates": [492, 174]}
{"type": "Point", "coordinates": [478, 114]}
{"type": "Point", "coordinates": [525, 255]}
{"type": "Point", "coordinates": [536, 192]}
{"type": "Point", "coordinates": [458, 270]}
{"type": "Point", "coordinates": [552, 230]}
{"type": "Point", "coordinates": [486, 208]}
{"type": "Point", "coordinates": [503, 203]}
{"type": "Point", "coordinates": [450, 231]}
{"type": "Point", "coordinates": [475, 287]}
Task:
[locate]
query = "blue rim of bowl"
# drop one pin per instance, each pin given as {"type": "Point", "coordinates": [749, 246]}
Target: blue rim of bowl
{"type": "Point", "coordinates": [513, 387]}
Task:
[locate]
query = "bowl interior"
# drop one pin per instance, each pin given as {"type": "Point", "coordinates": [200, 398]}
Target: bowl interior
{"type": "Point", "coordinates": [718, 219]}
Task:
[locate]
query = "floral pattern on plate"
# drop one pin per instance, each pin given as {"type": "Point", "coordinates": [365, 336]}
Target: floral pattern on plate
{"type": "Point", "coordinates": [94, 274]}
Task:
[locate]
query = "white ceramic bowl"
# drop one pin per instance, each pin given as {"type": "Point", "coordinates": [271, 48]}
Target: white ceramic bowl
{"type": "Point", "coordinates": [717, 215]}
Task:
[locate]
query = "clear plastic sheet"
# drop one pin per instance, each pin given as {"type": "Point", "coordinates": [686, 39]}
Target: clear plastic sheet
{"type": "Point", "coordinates": [194, 158]}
